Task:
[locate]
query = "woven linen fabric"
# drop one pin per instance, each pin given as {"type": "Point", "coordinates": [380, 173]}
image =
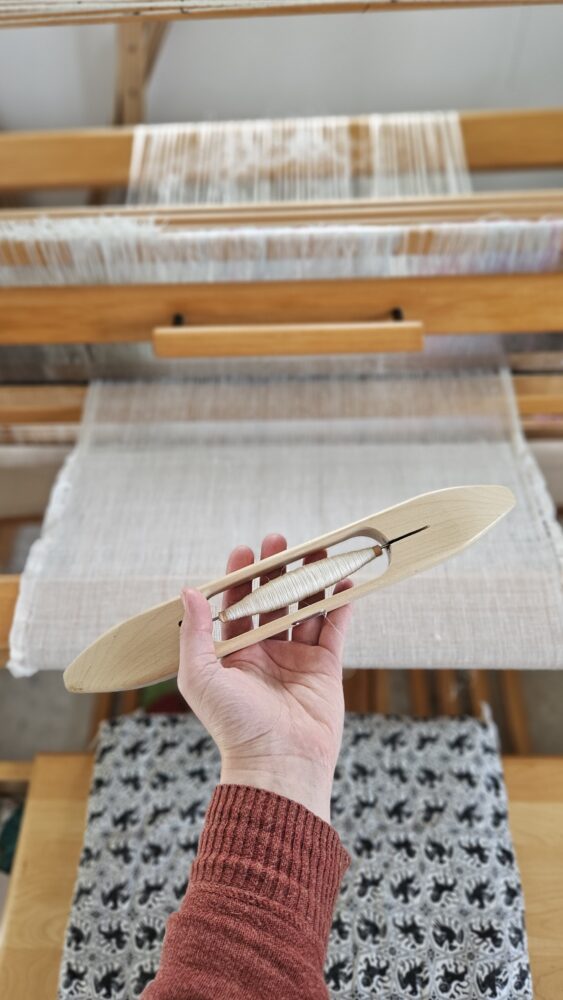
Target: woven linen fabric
{"type": "Point", "coordinates": [430, 908]}
{"type": "Point", "coordinates": [168, 477]}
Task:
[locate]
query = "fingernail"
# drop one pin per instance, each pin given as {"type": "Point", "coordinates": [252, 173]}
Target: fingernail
{"type": "Point", "coordinates": [186, 601]}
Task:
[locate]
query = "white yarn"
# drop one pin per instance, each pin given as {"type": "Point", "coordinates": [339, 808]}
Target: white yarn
{"type": "Point", "coordinates": [298, 584]}
{"type": "Point", "coordinates": [288, 159]}
{"type": "Point", "coordinates": [168, 477]}
{"type": "Point", "coordinates": [299, 159]}
{"type": "Point", "coordinates": [121, 250]}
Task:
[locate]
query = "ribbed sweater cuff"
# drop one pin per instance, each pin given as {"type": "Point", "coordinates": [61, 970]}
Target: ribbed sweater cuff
{"type": "Point", "coordinates": [265, 844]}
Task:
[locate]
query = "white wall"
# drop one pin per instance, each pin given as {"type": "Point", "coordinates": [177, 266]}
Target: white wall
{"type": "Point", "coordinates": [504, 57]}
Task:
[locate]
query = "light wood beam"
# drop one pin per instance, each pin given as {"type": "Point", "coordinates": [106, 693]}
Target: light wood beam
{"type": "Point", "coordinates": [138, 46]}
{"type": "Point", "coordinates": [130, 73]}
{"type": "Point", "coordinates": [43, 876]}
{"type": "Point", "coordinates": [33, 14]}
{"type": "Point", "coordinates": [287, 339]}
{"type": "Point", "coordinates": [539, 394]}
{"type": "Point", "coordinates": [9, 589]}
{"type": "Point", "coordinates": [156, 33]}
{"type": "Point", "coordinates": [521, 205]}
{"type": "Point", "coordinates": [15, 772]}
{"type": "Point", "coordinates": [41, 404]}
{"type": "Point", "coordinates": [65, 159]}
{"type": "Point", "coordinates": [445, 305]}
{"type": "Point", "coordinates": [536, 362]}
{"type": "Point", "coordinates": [60, 404]}
{"type": "Point", "coordinates": [494, 140]}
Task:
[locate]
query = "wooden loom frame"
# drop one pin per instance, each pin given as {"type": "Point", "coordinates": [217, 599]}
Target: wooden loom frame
{"type": "Point", "coordinates": [494, 303]}
{"type": "Point", "coordinates": [366, 690]}
{"type": "Point", "coordinates": [99, 158]}
{"type": "Point", "coordinates": [124, 12]}
{"type": "Point", "coordinates": [530, 789]}
{"type": "Point", "coordinates": [519, 139]}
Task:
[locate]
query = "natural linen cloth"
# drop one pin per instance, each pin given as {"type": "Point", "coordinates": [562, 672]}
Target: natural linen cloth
{"type": "Point", "coordinates": [167, 477]}
{"type": "Point", "coordinates": [431, 906]}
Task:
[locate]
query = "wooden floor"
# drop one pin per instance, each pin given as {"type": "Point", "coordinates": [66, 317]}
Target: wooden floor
{"type": "Point", "coordinates": [51, 838]}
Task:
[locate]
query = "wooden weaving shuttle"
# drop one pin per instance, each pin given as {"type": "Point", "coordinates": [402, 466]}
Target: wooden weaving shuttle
{"type": "Point", "coordinates": [417, 534]}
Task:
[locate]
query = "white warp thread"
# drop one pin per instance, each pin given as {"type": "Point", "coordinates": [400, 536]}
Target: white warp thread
{"type": "Point", "coordinates": [168, 477]}
{"type": "Point", "coordinates": [120, 250]}
{"type": "Point", "coordinates": [298, 159]}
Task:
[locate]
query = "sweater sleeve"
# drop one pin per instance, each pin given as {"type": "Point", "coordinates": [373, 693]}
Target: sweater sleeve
{"type": "Point", "coordinates": [255, 919]}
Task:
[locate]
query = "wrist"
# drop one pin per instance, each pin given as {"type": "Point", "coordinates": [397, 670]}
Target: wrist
{"type": "Point", "coordinates": [306, 782]}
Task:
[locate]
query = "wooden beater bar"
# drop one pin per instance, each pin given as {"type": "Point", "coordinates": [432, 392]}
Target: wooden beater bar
{"type": "Point", "coordinates": [521, 205]}
{"type": "Point", "coordinates": [494, 140]}
{"type": "Point", "coordinates": [478, 304]}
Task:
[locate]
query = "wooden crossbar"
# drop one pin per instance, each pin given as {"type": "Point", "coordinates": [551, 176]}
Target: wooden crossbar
{"type": "Point", "coordinates": [41, 404]}
{"type": "Point", "coordinates": [536, 395]}
{"type": "Point", "coordinates": [494, 140]}
{"type": "Point", "coordinates": [9, 588]}
{"type": "Point", "coordinates": [15, 772]}
{"type": "Point", "coordinates": [32, 14]}
{"type": "Point", "coordinates": [539, 395]}
{"type": "Point", "coordinates": [521, 205]}
{"type": "Point", "coordinates": [478, 304]}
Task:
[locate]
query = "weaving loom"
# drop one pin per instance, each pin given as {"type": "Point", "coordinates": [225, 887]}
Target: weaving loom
{"type": "Point", "coordinates": [291, 164]}
{"type": "Point", "coordinates": [306, 236]}
{"type": "Point", "coordinates": [286, 247]}
{"type": "Point", "coordinates": [386, 436]}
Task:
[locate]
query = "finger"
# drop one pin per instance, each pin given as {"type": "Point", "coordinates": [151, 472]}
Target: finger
{"type": "Point", "coordinates": [309, 631]}
{"type": "Point", "coordinates": [271, 545]}
{"type": "Point", "coordinates": [197, 650]}
{"type": "Point", "coordinates": [335, 625]}
{"type": "Point", "coordinates": [239, 558]}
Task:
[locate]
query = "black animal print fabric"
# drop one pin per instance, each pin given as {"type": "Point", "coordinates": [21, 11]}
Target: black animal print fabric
{"type": "Point", "coordinates": [431, 907]}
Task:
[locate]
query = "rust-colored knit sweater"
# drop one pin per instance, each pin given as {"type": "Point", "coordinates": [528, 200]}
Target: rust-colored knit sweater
{"type": "Point", "coordinates": [255, 920]}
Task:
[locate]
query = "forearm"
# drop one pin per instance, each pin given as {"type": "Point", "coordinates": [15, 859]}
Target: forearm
{"type": "Point", "coordinates": [256, 916]}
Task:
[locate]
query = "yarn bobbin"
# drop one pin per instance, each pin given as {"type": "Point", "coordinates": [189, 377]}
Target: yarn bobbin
{"type": "Point", "coordinates": [417, 534]}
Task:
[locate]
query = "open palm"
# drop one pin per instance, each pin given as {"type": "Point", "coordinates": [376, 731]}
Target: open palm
{"type": "Point", "coordinates": [274, 709]}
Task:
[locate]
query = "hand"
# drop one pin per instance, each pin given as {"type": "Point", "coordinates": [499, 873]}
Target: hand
{"type": "Point", "coordinates": [275, 709]}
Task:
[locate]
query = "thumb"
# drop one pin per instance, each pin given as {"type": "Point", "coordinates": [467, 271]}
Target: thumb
{"type": "Point", "coordinates": [197, 649]}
